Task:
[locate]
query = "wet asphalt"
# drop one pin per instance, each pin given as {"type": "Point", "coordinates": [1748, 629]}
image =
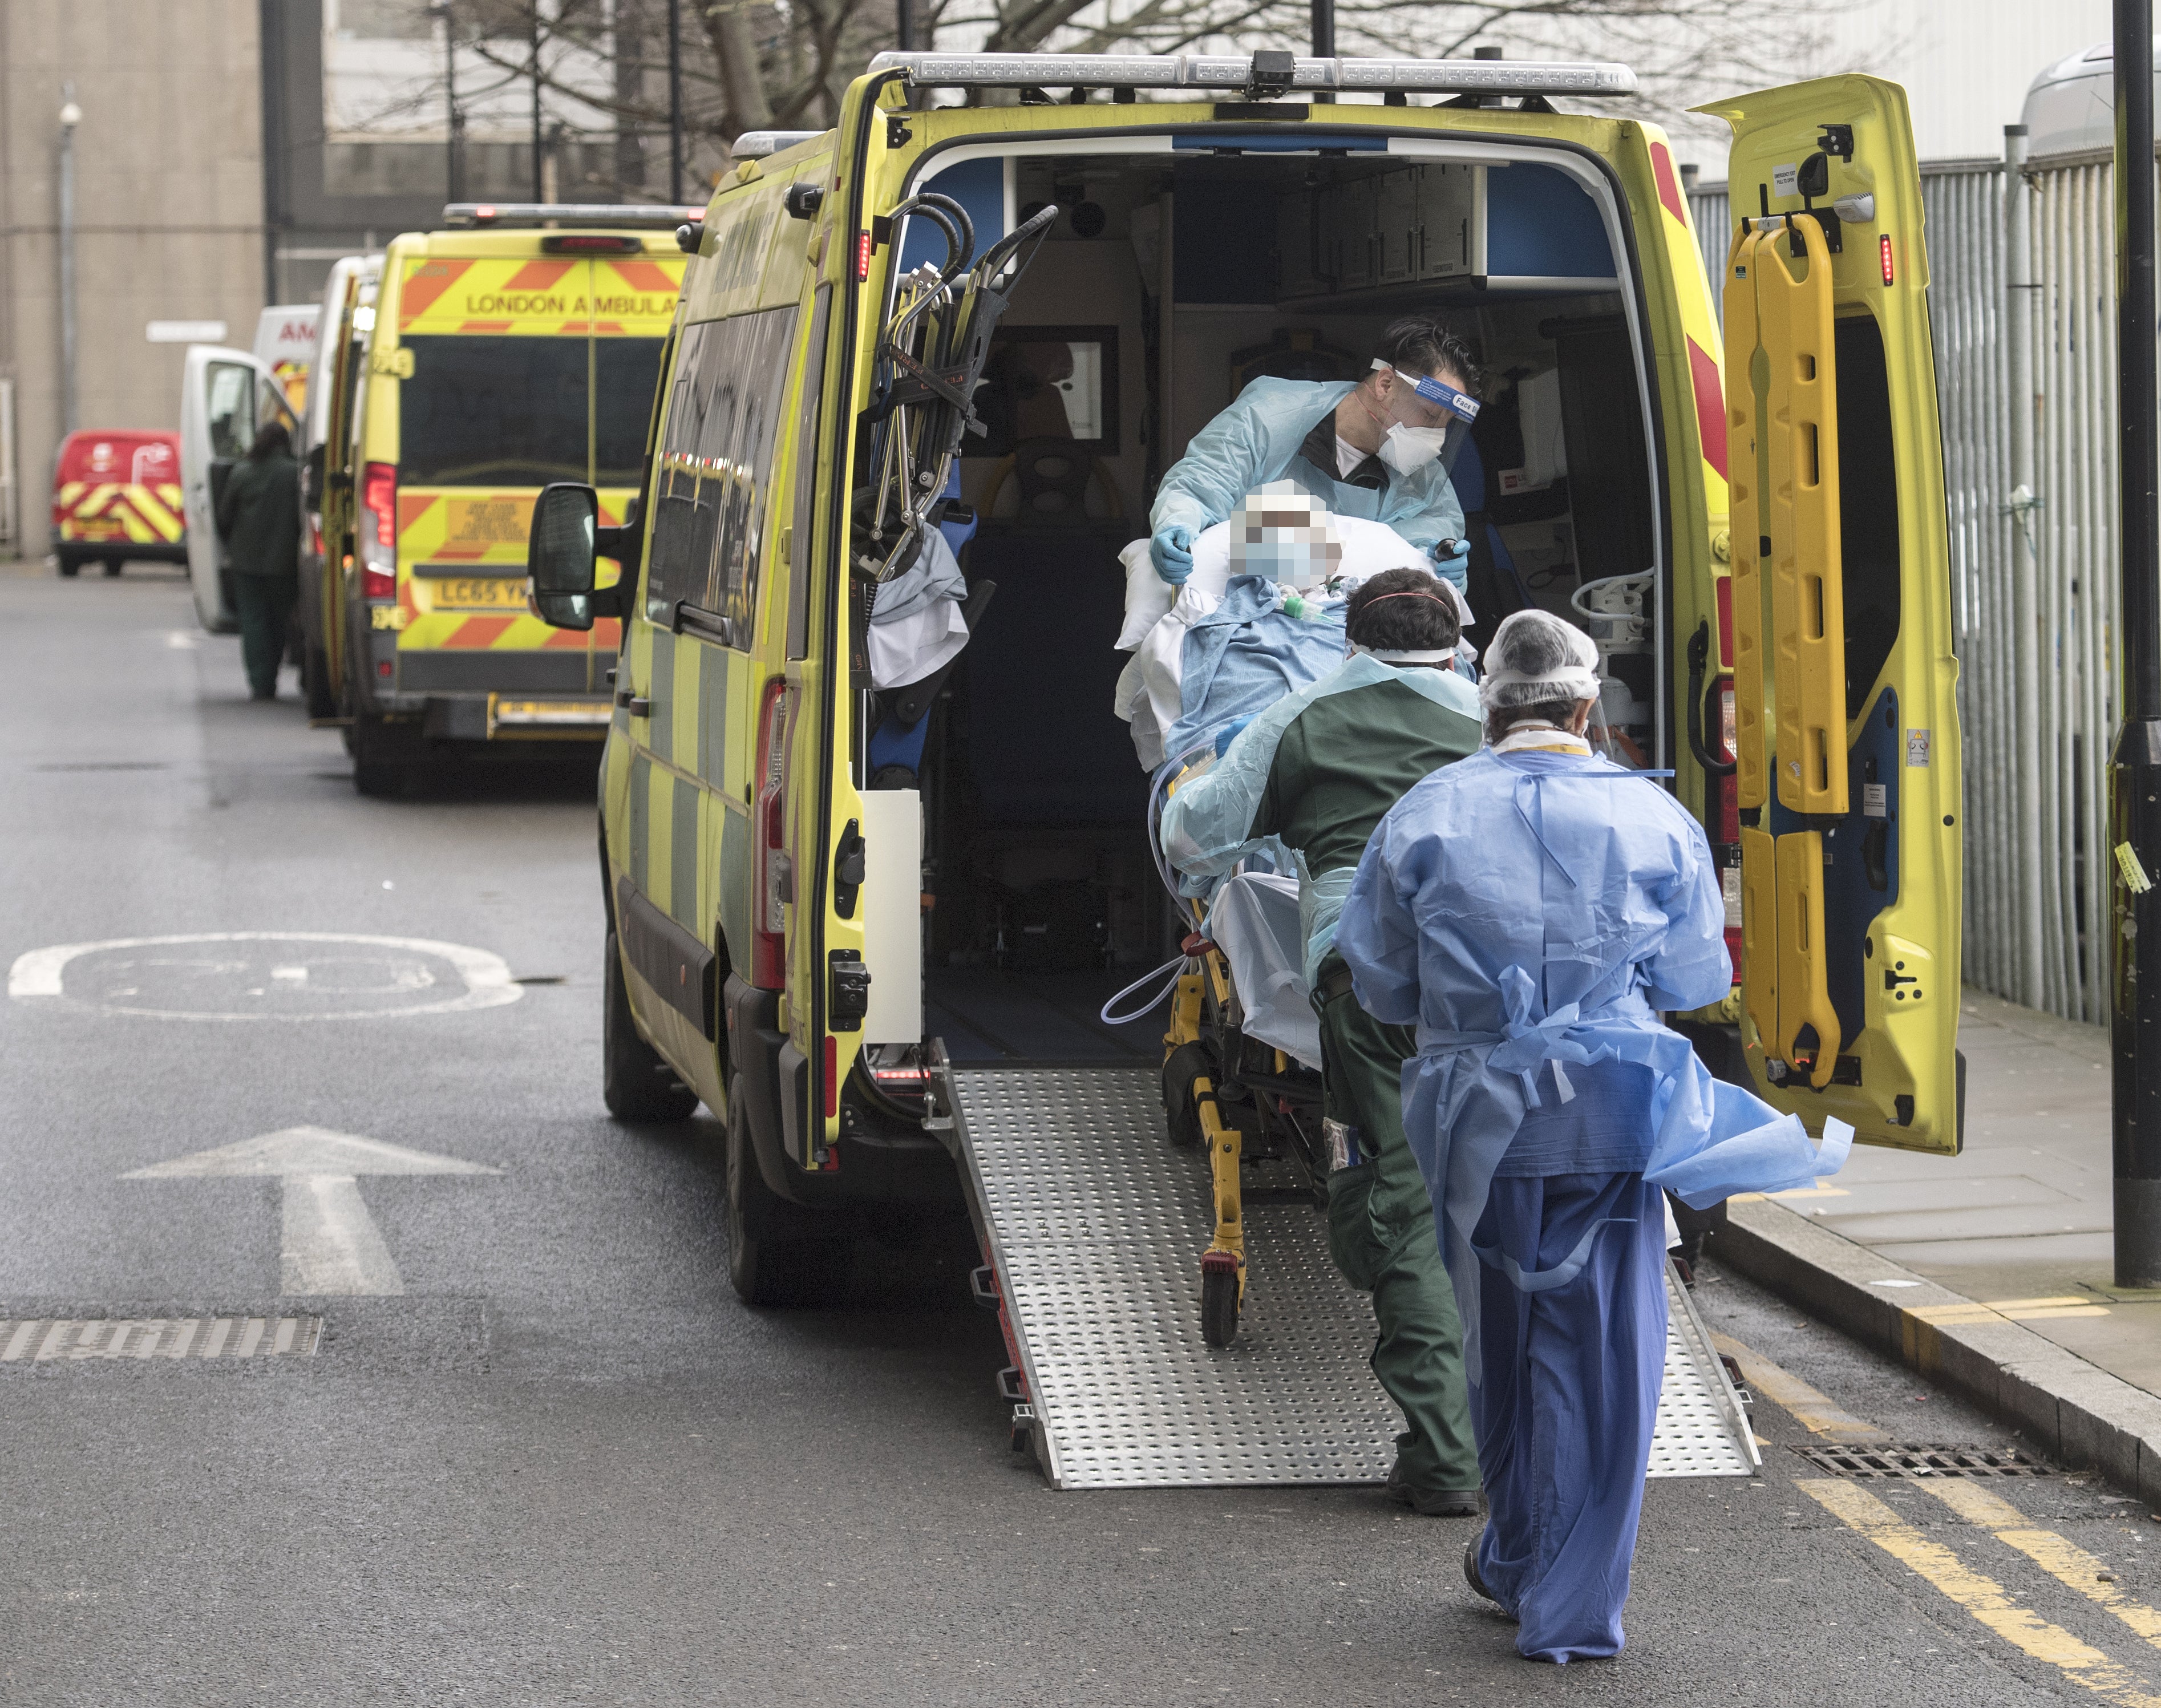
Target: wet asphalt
{"type": "Point", "coordinates": [565, 1465]}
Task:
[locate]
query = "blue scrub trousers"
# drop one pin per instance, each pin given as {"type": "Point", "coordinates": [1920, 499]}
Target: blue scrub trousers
{"type": "Point", "coordinates": [1562, 1401]}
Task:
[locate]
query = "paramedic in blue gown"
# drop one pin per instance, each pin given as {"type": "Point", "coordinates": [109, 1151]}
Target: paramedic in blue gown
{"type": "Point", "coordinates": [1370, 448]}
{"type": "Point", "coordinates": [1531, 910]}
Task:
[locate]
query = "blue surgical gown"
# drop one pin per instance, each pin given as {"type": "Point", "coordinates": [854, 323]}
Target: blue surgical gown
{"type": "Point", "coordinates": [1529, 913]}
{"type": "Point", "coordinates": [1256, 440]}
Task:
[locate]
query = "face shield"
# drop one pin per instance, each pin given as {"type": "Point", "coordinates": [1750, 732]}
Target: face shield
{"type": "Point", "coordinates": [1432, 419]}
{"type": "Point", "coordinates": [1285, 535]}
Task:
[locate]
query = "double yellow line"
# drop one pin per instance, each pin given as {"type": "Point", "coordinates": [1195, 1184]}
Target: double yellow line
{"type": "Point", "coordinates": [1985, 1598]}
{"type": "Point", "coordinates": [1980, 1596]}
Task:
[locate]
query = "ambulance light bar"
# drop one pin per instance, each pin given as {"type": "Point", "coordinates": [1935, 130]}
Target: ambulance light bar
{"type": "Point", "coordinates": [756, 145]}
{"type": "Point", "coordinates": [503, 216]}
{"type": "Point", "coordinates": [1238, 72]}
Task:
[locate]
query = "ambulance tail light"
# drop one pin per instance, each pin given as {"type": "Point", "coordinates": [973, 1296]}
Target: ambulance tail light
{"type": "Point", "coordinates": [379, 531]}
{"type": "Point", "coordinates": [774, 876]}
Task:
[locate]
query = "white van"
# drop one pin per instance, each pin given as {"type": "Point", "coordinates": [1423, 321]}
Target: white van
{"type": "Point", "coordinates": [226, 396]}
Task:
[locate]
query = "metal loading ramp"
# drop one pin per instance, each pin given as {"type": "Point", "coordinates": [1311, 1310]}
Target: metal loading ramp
{"type": "Point", "coordinates": [1096, 1226]}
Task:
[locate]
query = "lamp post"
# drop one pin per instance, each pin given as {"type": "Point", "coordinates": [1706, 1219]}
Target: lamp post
{"type": "Point", "coordinates": [2134, 795]}
{"type": "Point", "coordinates": [454, 185]}
{"type": "Point", "coordinates": [70, 117]}
{"type": "Point", "coordinates": [539, 178]}
{"type": "Point", "coordinates": [675, 102]}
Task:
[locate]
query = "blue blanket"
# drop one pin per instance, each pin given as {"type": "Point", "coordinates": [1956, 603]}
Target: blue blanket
{"type": "Point", "coordinates": [1245, 655]}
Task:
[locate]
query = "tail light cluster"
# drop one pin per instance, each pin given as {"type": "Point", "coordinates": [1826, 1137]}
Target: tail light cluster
{"type": "Point", "coordinates": [379, 531]}
{"type": "Point", "coordinates": [774, 877]}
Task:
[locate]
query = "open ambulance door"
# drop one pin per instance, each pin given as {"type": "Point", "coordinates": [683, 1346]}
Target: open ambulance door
{"type": "Point", "coordinates": [1847, 722]}
{"type": "Point", "coordinates": [225, 397]}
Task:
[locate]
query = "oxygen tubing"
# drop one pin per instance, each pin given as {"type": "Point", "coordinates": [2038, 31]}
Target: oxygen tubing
{"type": "Point", "coordinates": [1175, 967]}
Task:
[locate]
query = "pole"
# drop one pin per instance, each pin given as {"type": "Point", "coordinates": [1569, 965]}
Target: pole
{"type": "Point", "coordinates": [2134, 796]}
{"type": "Point", "coordinates": [2025, 572]}
{"type": "Point", "coordinates": [675, 102]}
{"type": "Point", "coordinates": [454, 175]}
{"type": "Point", "coordinates": [1324, 29]}
{"type": "Point", "coordinates": [70, 117]}
{"type": "Point", "coordinates": [903, 24]}
{"type": "Point", "coordinates": [539, 180]}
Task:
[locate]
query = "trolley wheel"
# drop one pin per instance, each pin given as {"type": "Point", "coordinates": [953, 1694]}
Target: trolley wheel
{"type": "Point", "coordinates": [1184, 1065]}
{"type": "Point", "coordinates": [1219, 1303]}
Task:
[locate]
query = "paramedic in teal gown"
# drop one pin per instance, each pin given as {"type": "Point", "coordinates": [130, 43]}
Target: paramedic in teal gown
{"type": "Point", "coordinates": [1531, 910]}
{"type": "Point", "coordinates": [1370, 449]}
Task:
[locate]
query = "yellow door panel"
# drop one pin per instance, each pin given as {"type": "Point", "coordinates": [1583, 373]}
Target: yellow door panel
{"type": "Point", "coordinates": [1846, 679]}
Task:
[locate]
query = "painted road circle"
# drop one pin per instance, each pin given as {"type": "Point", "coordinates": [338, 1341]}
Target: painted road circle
{"type": "Point", "coordinates": [265, 975]}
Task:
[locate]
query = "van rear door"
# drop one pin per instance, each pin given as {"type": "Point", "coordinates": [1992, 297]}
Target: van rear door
{"type": "Point", "coordinates": [1844, 681]}
{"type": "Point", "coordinates": [226, 396]}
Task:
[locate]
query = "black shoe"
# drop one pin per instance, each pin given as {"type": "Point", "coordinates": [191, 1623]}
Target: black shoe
{"type": "Point", "coordinates": [1431, 1503]}
{"type": "Point", "coordinates": [1477, 1583]}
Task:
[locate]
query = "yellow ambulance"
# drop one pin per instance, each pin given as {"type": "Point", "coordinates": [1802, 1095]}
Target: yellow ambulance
{"type": "Point", "coordinates": [813, 924]}
{"type": "Point", "coordinates": [517, 347]}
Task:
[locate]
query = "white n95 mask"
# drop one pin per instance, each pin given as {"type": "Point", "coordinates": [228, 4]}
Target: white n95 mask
{"type": "Point", "coordinates": [1406, 450]}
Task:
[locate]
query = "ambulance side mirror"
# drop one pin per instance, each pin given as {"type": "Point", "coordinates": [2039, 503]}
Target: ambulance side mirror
{"type": "Point", "coordinates": [562, 556]}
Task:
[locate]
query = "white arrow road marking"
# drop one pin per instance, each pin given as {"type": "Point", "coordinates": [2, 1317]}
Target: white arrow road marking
{"type": "Point", "coordinates": [330, 1243]}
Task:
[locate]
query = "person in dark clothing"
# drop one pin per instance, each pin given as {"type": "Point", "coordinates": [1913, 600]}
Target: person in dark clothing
{"type": "Point", "coordinates": [258, 517]}
{"type": "Point", "coordinates": [1317, 772]}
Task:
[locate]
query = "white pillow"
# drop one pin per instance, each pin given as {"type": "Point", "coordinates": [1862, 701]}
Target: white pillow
{"type": "Point", "coordinates": [1369, 547]}
{"type": "Point", "coordinates": [1149, 598]}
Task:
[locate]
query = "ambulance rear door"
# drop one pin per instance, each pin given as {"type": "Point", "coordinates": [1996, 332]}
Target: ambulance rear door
{"type": "Point", "coordinates": [1847, 722]}
{"type": "Point", "coordinates": [227, 397]}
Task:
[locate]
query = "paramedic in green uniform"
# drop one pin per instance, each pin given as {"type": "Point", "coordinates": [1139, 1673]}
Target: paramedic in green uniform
{"type": "Point", "coordinates": [1317, 772]}
{"type": "Point", "coordinates": [259, 516]}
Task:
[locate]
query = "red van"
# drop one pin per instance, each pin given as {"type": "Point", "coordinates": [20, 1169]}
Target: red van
{"type": "Point", "coordinates": [116, 496]}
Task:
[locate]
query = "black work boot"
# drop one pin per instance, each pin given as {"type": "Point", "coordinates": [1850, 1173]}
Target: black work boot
{"type": "Point", "coordinates": [1431, 1503]}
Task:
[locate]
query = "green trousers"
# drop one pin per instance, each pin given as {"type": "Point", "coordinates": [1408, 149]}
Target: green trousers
{"type": "Point", "coordinates": [265, 609]}
{"type": "Point", "coordinates": [1381, 1234]}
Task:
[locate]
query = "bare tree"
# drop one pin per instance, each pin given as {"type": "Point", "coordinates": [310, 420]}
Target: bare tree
{"type": "Point", "coordinates": [753, 65]}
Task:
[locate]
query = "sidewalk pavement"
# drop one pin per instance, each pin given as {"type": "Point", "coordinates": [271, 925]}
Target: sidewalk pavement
{"type": "Point", "coordinates": [1992, 1269]}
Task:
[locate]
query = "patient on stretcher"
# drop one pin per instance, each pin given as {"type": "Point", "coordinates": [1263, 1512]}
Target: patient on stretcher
{"type": "Point", "coordinates": [1261, 617]}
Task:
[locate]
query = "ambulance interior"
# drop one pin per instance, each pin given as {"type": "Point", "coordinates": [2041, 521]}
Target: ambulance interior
{"type": "Point", "coordinates": [1159, 294]}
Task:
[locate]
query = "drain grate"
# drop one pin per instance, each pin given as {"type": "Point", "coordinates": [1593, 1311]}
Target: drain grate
{"type": "Point", "coordinates": [47, 1340]}
{"type": "Point", "coordinates": [1912, 1461]}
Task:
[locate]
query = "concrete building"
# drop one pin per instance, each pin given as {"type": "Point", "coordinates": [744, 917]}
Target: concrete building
{"type": "Point", "coordinates": [226, 153]}
{"type": "Point", "coordinates": [168, 222]}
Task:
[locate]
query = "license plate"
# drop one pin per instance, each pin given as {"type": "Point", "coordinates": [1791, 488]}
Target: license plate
{"type": "Point", "coordinates": [538, 716]}
{"type": "Point", "coordinates": [477, 593]}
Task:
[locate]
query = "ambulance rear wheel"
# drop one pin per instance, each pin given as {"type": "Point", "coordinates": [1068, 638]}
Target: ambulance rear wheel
{"type": "Point", "coordinates": [68, 563]}
{"type": "Point", "coordinates": [114, 566]}
{"type": "Point", "coordinates": [635, 1083]}
{"type": "Point", "coordinates": [766, 1266]}
{"type": "Point", "coordinates": [383, 755]}
{"type": "Point", "coordinates": [315, 683]}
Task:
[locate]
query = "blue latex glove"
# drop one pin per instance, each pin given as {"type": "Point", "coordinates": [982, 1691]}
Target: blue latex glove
{"type": "Point", "coordinates": [1171, 552]}
{"type": "Point", "coordinates": [1228, 734]}
{"type": "Point", "coordinates": [1455, 567]}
